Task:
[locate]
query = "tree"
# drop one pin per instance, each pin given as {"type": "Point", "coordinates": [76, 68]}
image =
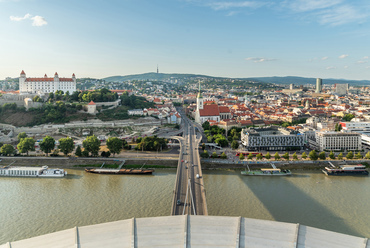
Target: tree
{"type": "Point", "coordinates": [359, 155]}
{"type": "Point", "coordinates": [214, 155]}
{"type": "Point", "coordinates": [92, 145]}
{"type": "Point", "coordinates": [322, 155]}
{"type": "Point", "coordinates": [348, 117]}
{"type": "Point", "coordinates": [286, 156]}
{"type": "Point", "coordinates": [267, 156]}
{"type": "Point", "coordinates": [115, 145]}
{"type": "Point", "coordinates": [250, 156]}
{"type": "Point", "coordinates": [367, 156]}
{"type": "Point", "coordinates": [78, 151]}
{"type": "Point", "coordinates": [304, 155]}
{"type": "Point", "coordinates": [26, 145]}
{"type": "Point", "coordinates": [331, 155]}
{"type": "Point", "coordinates": [21, 136]}
{"type": "Point", "coordinates": [66, 145]}
{"type": "Point", "coordinates": [223, 155]}
{"type": "Point", "coordinates": [203, 146]}
{"type": "Point", "coordinates": [7, 149]}
{"type": "Point", "coordinates": [204, 154]}
{"type": "Point", "coordinates": [295, 157]}
{"type": "Point", "coordinates": [241, 156]}
{"type": "Point", "coordinates": [340, 156]}
{"type": "Point", "coordinates": [206, 125]}
{"type": "Point", "coordinates": [47, 145]}
{"type": "Point", "coordinates": [259, 156]}
{"type": "Point", "coordinates": [234, 144]}
{"type": "Point", "coordinates": [338, 127]}
{"type": "Point", "coordinates": [277, 156]}
{"type": "Point", "coordinates": [349, 155]}
{"type": "Point", "coordinates": [313, 155]}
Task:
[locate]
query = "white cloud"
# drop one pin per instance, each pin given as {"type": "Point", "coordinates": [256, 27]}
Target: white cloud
{"type": "Point", "coordinates": [37, 21]}
{"type": "Point", "coordinates": [331, 67]}
{"type": "Point", "coordinates": [345, 67]}
{"type": "Point", "coordinates": [229, 5]}
{"type": "Point", "coordinates": [340, 15]}
{"type": "Point", "coordinates": [18, 19]}
{"type": "Point", "coordinates": [324, 58]}
{"type": "Point", "coordinates": [361, 62]}
{"type": "Point", "coordinates": [309, 5]}
{"type": "Point", "coordinates": [259, 60]}
{"type": "Point", "coordinates": [367, 67]}
{"type": "Point", "coordinates": [343, 56]}
{"type": "Point", "coordinates": [329, 12]}
{"type": "Point", "coordinates": [365, 57]}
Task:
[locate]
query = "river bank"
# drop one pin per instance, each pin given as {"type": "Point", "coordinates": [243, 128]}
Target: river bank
{"type": "Point", "coordinates": [73, 163]}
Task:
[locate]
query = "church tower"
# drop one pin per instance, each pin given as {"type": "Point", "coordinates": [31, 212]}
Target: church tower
{"type": "Point", "coordinates": [199, 100]}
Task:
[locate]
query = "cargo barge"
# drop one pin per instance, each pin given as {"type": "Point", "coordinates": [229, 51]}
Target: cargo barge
{"type": "Point", "coordinates": [119, 171]}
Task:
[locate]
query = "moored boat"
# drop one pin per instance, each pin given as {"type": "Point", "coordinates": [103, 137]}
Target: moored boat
{"type": "Point", "coordinates": [119, 171]}
{"type": "Point", "coordinates": [267, 172]}
{"type": "Point", "coordinates": [44, 171]}
{"type": "Point", "coordinates": [346, 170]}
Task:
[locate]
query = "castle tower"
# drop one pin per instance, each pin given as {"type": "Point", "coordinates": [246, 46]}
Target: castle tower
{"type": "Point", "coordinates": [199, 100]}
{"type": "Point", "coordinates": [74, 77]}
{"type": "Point", "coordinates": [22, 82]}
{"type": "Point", "coordinates": [56, 82]}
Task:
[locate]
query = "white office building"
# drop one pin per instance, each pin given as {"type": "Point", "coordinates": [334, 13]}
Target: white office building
{"type": "Point", "coordinates": [335, 141]}
{"type": "Point", "coordinates": [272, 139]}
{"type": "Point", "coordinates": [353, 126]}
{"type": "Point", "coordinates": [45, 84]}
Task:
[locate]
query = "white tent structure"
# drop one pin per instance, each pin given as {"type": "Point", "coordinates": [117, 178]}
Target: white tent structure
{"type": "Point", "coordinates": [192, 231]}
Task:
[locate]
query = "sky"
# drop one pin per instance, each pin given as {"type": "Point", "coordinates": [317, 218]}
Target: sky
{"type": "Point", "coordinates": [97, 39]}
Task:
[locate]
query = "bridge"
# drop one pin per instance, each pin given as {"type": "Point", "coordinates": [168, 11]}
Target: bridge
{"type": "Point", "coordinates": [189, 194]}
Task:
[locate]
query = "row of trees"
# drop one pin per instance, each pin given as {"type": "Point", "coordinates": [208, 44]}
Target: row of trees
{"type": "Point", "coordinates": [102, 95]}
{"type": "Point", "coordinates": [205, 154]}
{"type": "Point", "coordinates": [91, 146]}
{"type": "Point", "coordinates": [313, 155]}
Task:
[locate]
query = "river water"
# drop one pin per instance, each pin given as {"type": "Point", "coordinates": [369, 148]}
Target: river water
{"type": "Point", "coordinates": [30, 207]}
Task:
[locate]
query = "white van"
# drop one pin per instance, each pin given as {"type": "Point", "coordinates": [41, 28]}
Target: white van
{"type": "Point", "coordinates": [198, 176]}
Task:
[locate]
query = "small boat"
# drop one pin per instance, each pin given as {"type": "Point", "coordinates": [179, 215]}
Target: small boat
{"type": "Point", "coordinates": [346, 170]}
{"type": "Point", "coordinates": [44, 171]}
{"type": "Point", "coordinates": [267, 172]}
{"type": "Point", "coordinates": [119, 171]}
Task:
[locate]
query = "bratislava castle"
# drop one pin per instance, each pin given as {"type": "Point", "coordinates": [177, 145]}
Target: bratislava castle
{"type": "Point", "coordinates": [46, 84]}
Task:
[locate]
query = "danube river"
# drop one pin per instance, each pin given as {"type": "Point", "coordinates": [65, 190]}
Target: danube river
{"type": "Point", "coordinates": [31, 207]}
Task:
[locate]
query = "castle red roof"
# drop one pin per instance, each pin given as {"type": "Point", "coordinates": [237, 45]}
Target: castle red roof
{"type": "Point", "coordinates": [91, 103]}
{"type": "Point", "coordinates": [209, 110]}
{"type": "Point", "coordinates": [46, 79]}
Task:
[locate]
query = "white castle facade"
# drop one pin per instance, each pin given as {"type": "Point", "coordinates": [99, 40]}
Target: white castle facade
{"type": "Point", "coordinates": [46, 84]}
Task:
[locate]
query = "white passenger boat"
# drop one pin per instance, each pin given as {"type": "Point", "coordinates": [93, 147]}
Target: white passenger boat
{"type": "Point", "coordinates": [267, 172]}
{"type": "Point", "coordinates": [44, 171]}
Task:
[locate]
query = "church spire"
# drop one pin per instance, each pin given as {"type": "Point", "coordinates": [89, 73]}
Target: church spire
{"type": "Point", "coordinates": [199, 93]}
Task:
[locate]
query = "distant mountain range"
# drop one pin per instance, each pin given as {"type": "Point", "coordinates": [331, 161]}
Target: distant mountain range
{"type": "Point", "coordinates": [275, 80]}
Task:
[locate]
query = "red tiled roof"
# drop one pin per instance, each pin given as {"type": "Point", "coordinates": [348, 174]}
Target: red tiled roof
{"type": "Point", "coordinates": [223, 109]}
{"type": "Point", "coordinates": [22, 73]}
{"type": "Point", "coordinates": [91, 103]}
{"type": "Point", "coordinates": [209, 110]}
{"type": "Point", "coordinates": [45, 79]}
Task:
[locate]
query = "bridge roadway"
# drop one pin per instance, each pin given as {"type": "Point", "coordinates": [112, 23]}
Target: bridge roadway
{"type": "Point", "coordinates": [189, 189]}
